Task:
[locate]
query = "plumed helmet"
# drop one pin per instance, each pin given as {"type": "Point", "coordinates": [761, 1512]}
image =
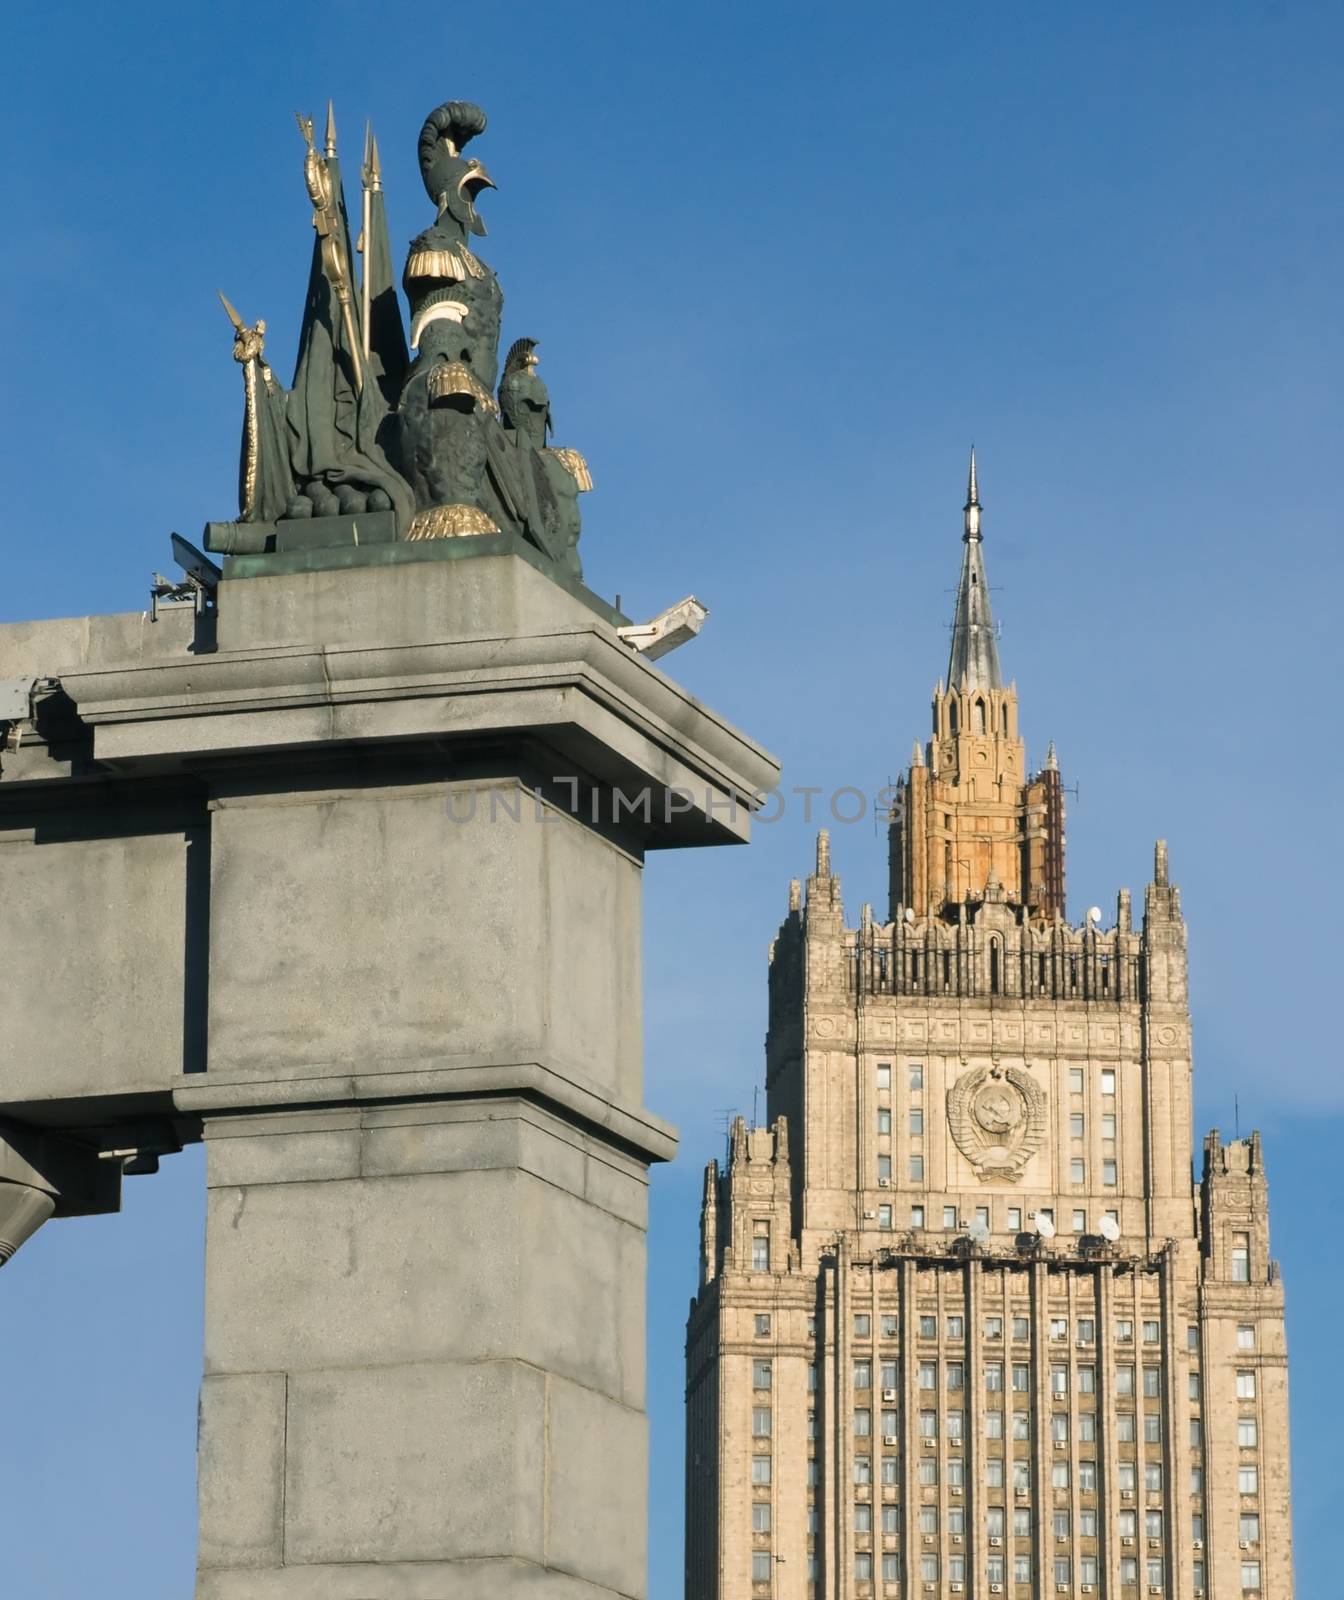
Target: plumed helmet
{"type": "Point", "coordinates": [451, 181]}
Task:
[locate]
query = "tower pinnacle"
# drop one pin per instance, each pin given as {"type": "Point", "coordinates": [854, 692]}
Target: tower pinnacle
{"type": "Point", "coordinates": [975, 654]}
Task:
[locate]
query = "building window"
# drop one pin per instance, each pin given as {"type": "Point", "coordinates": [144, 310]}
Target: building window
{"type": "Point", "coordinates": [891, 1519]}
{"type": "Point", "coordinates": [1021, 1425]}
{"type": "Point", "coordinates": [812, 1477]}
{"type": "Point", "coordinates": [956, 1569]}
{"type": "Point", "coordinates": [1197, 1572]}
{"type": "Point", "coordinates": [1248, 1480]}
{"type": "Point", "coordinates": [1087, 1524]}
{"type": "Point", "coordinates": [928, 1327]}
{"type": "Point", "coordinates": [1079, 1222]}
{"type": "Point", "coordinates": [1059, 1475]}
{"type": "Point", "coordinates": [1124, 1332]}
{"type": "Point", "coordinates": [1194, 1386]}
{"type": "Point", "coordinates": [888, 1425]}
{"type": "Point", "coordinates": [1248, 1528]}
{"type": "Point", "coordinates": [1087, 1477]}
{"type": "Point", "coordinates": [1059, 1427]}
{"type": "Point", "coordinates": [994, 1569]}
{"type": "Point", "coordinates": [1107, 1081]}
{"type": "Point", "coordinates": [863, 1566]}
{"type": "Point", "coordinates": [1152, 1383]}
{"type": "Point", "coordinates": [916, 1075]}
{"type": "Point", "coordinates": [1245, 1336]}
{"type": "Point", "coordinates": [760, 1248]}
{"type": "Point", "coordinates": [863, 1422]}
{"type": "Point", "coordinates": [1250, 1577]}
{"type": "Point", "coordinates": [1246, 1384]}
{"type": "Point", "coordinates": [760, 1516]}
{"type": "Point", "coordinates": [863, 1374]}
{"type": "Point", "coordinates": [928, 1374]}
{"type": "Point", "coordinates": [760, 1566]}
{"type": "Point", "coordinates": [1087, 1569]}
{"type": "Point", "coordinates": [1241, 1258]}
{"type": "Point", "coordinates": [1060, 1524]}
{"type": "Point", "coordinates": [1127, 1475]}
{"type": "Point", "coordinates": [1152, 1477]}
{"type": "Point", "coordinates": [1014, 1219]}
{"type": "Point", "coordinates": [1196, 1434]}
{"type": "Point", "coordinates": [1076, 1125]}
{"type": "Point", "coordinates": [760, 1374]}
{"type": "Point", "coordinates": [1022, 1477]}
{"type": "Point", "coordinates": [1152, 1427]}
{"type": "Point", "coordinates": [1152, 1525]}
{"type": "Point", "coordinates": [1156, 1572]}
{"type": "Point", "coordinates": [1075, 1080]}
{"type": "Point", "coordinates": [884, 1074]}
{"type": "Point", "coordinates": [994, 1375]}
{"type": "Point", "coordinates": [760, 1469]}
{"type": "Point", "coordinates": [956, 1423]}
{"type": "Point", "coordinates": [956, 1375]}
{"type": "Point", "coordinates": [1126, 1427]}
{"type": "Point", "coordinates": [993, 1424]}
{"type": "Point", "coordinates": [1129, 1570]}
{"type": "Point", "coordinates": [1021, 1377]}
{"type": "Point", "coordinates": [1087, 1426]}
{"type": "Point", "coordinates": [884, 1120]}
{"type": "Point", "coordinates": [916, 1121]}
{"type": "Point", "coordinates": [916, 1216]}
{"type": "Point", "coordinates": [950, 1217]}
{"type": "Point", "coordinates": [1108, 1125]}
{"type": "Point", "coordinates": [1059, 1329]}
{"type": "Point", "coordinates": [982, 1215]}
{"type": "Point", "coordinates": [956, 1327]}
{"type": "Point", "coordinates": [1077, 1170]}
{"type": "Point", "coordinates": [811, 1424]}
{"type": "Point", "coordinates": [891, 1567]}
{"type": "Point", "coordinates": [1152, 1332]}
{"type": "Point", "coordinates": [1087, 1330]}
{"type": "Point", "coordinates": [1087, 1380]}
{"type": "Point", "coordinates": [994, 1472]}
{"type": "Point", "coordinates": [889, 1464]}
{"type": "Point", "coordinates": [763, 1325]}
{"type": "Point", "coordinates": [994, 1328]}
{"type": "Point", "coordinates": [928, 1519]}
{"type": "Point", "coordinates": [1059, 1379]}
{"type": "Point", "coordinates": [884, 1169]}
{"type": "Point", "coordinates": [917, 1169]}
{"type": "Point", "coordinates": [863, 1326]}
{"type": "Point", "coordinates": [811, 1377]}
{"type": "Point", "coordinates": [1247, 1433]}
{"type": "Point", "coordinates": [760, 1422]}
{"type": "Point", "coordinates": [1124, 1379]}
{"type": "Point", "coordinates": [928, 1424]}
{"type": "Point", "coordinates": [1063, 1572]}
{"type": "Point", "coordinates": [884, 1218]}
{"type": "Point", "coordinates": [863, 1470]}
{"type": "Point", "coordinates": [956, 1473]}
{"type": "Point", "coordinates": [863, 1516]}
{"type": "Point", "coordinates": [1109, 1174]}
{"type": "Point", "coordinates": [928, 1472]}
{"type": "Point", "coordinates": [1196, 1481]}
{"type": "Point", "coordinates": [1021, 1328]}
{"type": "Point", "coordinates": [928, 1568]}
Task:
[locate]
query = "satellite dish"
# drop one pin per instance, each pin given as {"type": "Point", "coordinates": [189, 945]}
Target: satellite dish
{"type": "Point", "coordinates": [909, 913]}
{"type": "Point", "coordinates": [1044, 1226]}
{"type": "Point", "coordinates": [1094, 915]}
{"type": "Point", "coordinates": [1109, 1228]}
{"type": "Point", "coordinates": [979, 1231]}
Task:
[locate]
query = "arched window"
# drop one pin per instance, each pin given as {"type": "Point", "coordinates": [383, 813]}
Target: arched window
{"type": "Point", "coordinates": [1003, 717]}
{"type": "Point", "coordinates": [993, 966]}
{"type": "Point", "coordinates": [980, 716]}
{"type": "Point", "coordinates": [952, 714]}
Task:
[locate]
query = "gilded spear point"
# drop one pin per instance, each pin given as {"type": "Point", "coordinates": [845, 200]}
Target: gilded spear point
{"type": "Point", "coordinates": [375, 164]}
{"type": "Point", "coordinates": [234, 318]}
{"type": "Point", "coordinates": [331, 130]}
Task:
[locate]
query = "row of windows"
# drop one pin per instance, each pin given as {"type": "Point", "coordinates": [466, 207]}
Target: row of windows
{"type": "Point", "coordinates": [1077, 1079]}
{"type": "Point", "coordinates": [955, 1329]}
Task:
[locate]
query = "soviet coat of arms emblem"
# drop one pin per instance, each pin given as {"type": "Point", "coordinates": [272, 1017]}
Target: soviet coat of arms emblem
{"type": "Point", "coordinates": [997, 1117]}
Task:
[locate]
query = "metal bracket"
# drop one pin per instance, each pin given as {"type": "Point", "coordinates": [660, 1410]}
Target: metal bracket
{"type": "Point", "coordinates": [196, 590]}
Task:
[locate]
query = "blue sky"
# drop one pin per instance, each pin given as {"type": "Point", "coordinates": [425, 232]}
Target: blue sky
{"type": "Point", "coordinates": [785, 262]}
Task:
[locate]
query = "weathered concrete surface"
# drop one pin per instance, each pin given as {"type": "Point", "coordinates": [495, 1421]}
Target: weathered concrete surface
{"type": "Point", "coordinates": [349, 898]}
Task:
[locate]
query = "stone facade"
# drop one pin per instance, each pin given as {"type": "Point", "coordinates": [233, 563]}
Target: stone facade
{"type": "Point", "coordinates": [967, 1324]}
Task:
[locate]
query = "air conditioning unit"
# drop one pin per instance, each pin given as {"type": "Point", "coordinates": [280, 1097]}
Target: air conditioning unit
{"type": "Point", "coordinates": [930, 1444]}
{"type": "Point", "coordinates": [1126, 1494]}
{"type": "Point", "coordinates": [1156, 1544]}
{"type": "Point", "coordinates": [930, 1588]}
{"type": "Point", "coordinates": [954, 1444]}
{"type": "Point", "coordinates": [888, 1394]}
{"type": "Point", "coordinates": [995, 1540]}
{"type": "Point", "coordinates": [884, 1183]}
{"type": "Point", "coordinates": [956, 1488]}
{"type": "Point", "coordinates": [929, 1538]}
{"type": "Point", "coordinates": [996, 1588]}
{"type": "Point", "coordinates": [889, 1439]}
{"type": "Point", "coordinates": [1154, 1588]}
{"type": "Point", "coordinates": [1244, 1544]}
{"type": "Point", "coordinates": [1022, 1494]}
{"type": "Point", "coordinates": [1087, 1588]}
{"type": "Point", "coordinates": [1197, 1543]}
{"type": "Point", "coordinates": [1128, 1539]}
{"type": "Point", "coordinates": [958, 1538]}
{"type": "Point", "coordinates": [1061, 1444]}
{"type": "Point", "coordinates": [956, 1588]}
{"type": "Point", "coordinates": [869, 1215]}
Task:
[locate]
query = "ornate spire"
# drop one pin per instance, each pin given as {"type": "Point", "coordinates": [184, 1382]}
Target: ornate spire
{"type": "Point", "coordinates": [975, 655]}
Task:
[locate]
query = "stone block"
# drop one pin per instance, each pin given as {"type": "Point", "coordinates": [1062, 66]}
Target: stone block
{"type": "Point", "coordinates": [415, 1463]}
{"type": "Point", "coordinates": [241, 1452]}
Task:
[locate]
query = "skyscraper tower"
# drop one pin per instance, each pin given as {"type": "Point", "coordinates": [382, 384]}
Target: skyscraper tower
{"type": "Point", "coordinates": [967, 1322]}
